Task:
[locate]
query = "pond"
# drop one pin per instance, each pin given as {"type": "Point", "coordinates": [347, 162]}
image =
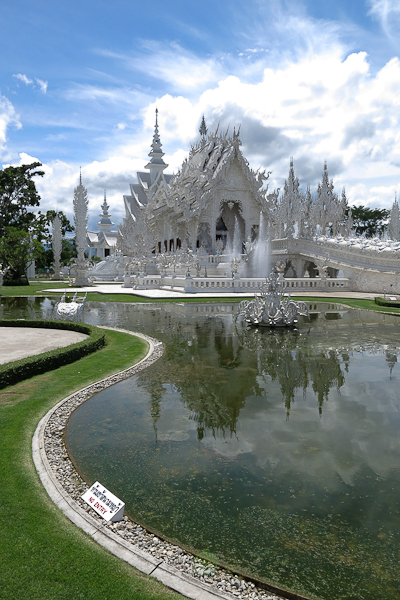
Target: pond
{"type": "Point", "coordinates": [276, 453]}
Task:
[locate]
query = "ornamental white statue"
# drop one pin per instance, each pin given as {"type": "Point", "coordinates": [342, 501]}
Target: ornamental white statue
{"type": "Point", "coordinates": [81, 203]}
{"type": "Point", "coordinates": [57, 245]}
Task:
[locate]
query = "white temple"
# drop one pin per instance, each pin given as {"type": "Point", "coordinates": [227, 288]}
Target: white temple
{"type": "Point", "coordinates": [103, 241]}
{"type": "Point", "coordinates": [199, 207]}
{"type": "Point", "coordinates": [216, 225]}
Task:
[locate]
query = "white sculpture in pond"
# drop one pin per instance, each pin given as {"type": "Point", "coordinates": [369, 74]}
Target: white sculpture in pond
{"type": "Point", "coordinates": [70, 311]}
{"type": "Point", "coordinates": [271, 307]}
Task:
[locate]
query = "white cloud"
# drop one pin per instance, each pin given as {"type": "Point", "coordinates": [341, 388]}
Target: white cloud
{"type": "Point", "coordinates": [320, 107]}
{"type": "Point", "coordinates": [23, 78]}
{"type": "Point", "coordinates": [313, 101]}
{"type": "Point", "coordinates": [8, 117]}
{"type": "Point", "coordinates": [172, 64]}
{"type": "Point", "coordinates": [388, 13]}
{"type": "Point", "coordinates": [42, 84]}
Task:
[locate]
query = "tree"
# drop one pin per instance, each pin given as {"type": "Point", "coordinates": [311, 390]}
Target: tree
{"type": "Point", "coordinates": [44, 222]}
{"type": "Point", "coordinates": [369, 221]}
{"type": "Point", "coordinates": [17, 223]}
{"type": "Point", "coordinates": [68, 251]}
{"type": "Point", "coordinates": [17, 195]}
{"type": "Point", "coordinates": [16, 248]}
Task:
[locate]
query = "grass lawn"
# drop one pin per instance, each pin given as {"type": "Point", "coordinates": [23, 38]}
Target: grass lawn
{"type": "Point", "coordinates": [32, 289]}
{"type": "Point", "coordinates": [44, 556]}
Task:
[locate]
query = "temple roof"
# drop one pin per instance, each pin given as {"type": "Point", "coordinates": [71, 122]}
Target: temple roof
{"type": "Point", "coordinates": [205, 167]}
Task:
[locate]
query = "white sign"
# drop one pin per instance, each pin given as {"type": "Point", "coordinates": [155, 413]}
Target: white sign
{"type": "Point", "coordinates": [104, 502]}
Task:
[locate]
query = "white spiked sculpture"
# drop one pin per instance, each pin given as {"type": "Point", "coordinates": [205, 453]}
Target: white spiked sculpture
{"type": "Point", "coordinates": [272, 307]}
{"type": "Point", "coordinates": [57, 245]}
{"type": "Point", "coordinates": [81, 204]}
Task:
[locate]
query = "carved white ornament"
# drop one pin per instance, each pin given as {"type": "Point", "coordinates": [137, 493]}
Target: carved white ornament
{"type": "Point", "coordinates": [57, 245]}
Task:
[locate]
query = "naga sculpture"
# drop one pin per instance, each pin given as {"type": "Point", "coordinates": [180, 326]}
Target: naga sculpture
{"type": "Point", "coordinates": [70, 311]}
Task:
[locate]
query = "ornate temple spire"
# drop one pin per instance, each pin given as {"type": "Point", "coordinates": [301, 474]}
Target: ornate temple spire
{"type": "Point", "coordinates": [105, 223]}
{"type": "Point", "coordinates": [156, 154]}
{"type": "Point", "coordinates": [105, 206]}
{"type": "Point", "coordinates": [203, 129]}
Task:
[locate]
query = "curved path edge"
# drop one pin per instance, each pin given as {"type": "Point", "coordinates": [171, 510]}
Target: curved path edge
{"type": "Point", "coordinates": [165, 573]}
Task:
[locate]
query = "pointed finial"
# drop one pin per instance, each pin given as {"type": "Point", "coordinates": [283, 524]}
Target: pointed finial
{"type": "Point", "coordinates": [104, 195]}
{"type": "Point", "coordinates": [203, 128]}
{"type": "Point", "coordinates": [291, 162]}
{"type": "Point", "coordinates": [156, 117]}
{"type": "Point", "coordinates": [80, 175]}
{"type": "Point", "coordinates": [325, 165]}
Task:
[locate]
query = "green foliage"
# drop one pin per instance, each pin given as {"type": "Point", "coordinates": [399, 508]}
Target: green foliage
{"type": "Point", "coordinates": [16, 371]}
{"type": "Point", "coordinates": [68, 251]}
{"type": "Point", "coordinates": [44, 223]}
{"type": "Point", "coordinates": [369, 221]}
{"type": "Point", "coordinates": [44, 257]}
{"type": "Point", "coordinates": [15, 249]}
{"type": "Point", "coordinates": [17, 195]}
{"type": "Point", "coordinates": [391, 303]}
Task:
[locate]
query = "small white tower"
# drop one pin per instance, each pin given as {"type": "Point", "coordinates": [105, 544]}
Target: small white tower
{"type": "Point", "coordinates": [105, 224]}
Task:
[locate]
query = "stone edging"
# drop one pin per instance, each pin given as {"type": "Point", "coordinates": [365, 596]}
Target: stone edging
{"type": "Point", "coordinates": [173, 566]}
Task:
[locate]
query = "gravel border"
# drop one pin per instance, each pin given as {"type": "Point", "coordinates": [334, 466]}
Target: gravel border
{"type": "Point", "coordinates": [175, 567]}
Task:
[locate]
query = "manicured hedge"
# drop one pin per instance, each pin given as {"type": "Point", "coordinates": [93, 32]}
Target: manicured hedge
{"type": "Point", "coordinates": [16, 371]}
{"type": "Point", "coordinates": [382, 302]}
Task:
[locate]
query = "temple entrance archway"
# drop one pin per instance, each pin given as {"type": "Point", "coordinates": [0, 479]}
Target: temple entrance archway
{"type": "Point", "coordinates": [225, 230]}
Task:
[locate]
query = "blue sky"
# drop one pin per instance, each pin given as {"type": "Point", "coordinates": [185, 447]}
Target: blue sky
{"type": "Point", "coordinates": [314, 80]}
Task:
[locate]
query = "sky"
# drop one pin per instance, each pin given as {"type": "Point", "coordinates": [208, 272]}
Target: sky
{"type": "Point", "coordinates": [313, 80]}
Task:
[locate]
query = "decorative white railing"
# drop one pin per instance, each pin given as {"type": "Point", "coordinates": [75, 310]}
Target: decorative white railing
{"type": "Point", "coordinates": [195, 285]}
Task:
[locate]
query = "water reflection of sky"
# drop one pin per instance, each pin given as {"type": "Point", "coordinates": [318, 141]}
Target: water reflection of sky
{"type": "Point", "coordinates": [359, 426]}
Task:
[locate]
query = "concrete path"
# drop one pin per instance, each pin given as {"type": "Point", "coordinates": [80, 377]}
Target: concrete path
{"type": "Point", "coordinates": [20, 342]}
{"type": "Point", "coordinates": [116, 288]}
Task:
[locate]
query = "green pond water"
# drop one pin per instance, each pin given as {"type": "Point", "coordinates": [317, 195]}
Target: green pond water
{"type": "Point", "coordinates": [277, 453]}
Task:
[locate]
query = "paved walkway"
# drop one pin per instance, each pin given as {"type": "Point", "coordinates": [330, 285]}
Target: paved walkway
{"type": "Point", "coordinates": [20, 342]}
{"type": "Point", "coordinates": [116, 288]}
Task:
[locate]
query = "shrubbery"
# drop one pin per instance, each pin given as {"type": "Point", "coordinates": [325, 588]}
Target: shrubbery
{"type": "Point", "coordinates": [382, 302]}
{"type": "Point", "coordinates": [14, 372]}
